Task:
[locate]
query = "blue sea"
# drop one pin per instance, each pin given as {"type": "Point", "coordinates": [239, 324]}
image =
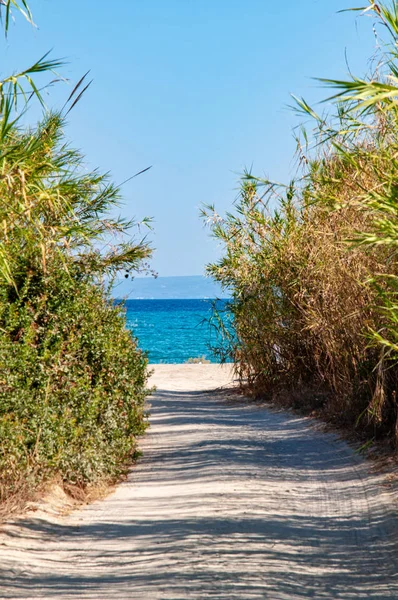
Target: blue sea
{"type": "Point", "coordinates": [173, 330]}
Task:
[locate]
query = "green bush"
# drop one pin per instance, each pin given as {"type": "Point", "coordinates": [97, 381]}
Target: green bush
{"type": "Point", "coordinates": [72, 384]}
{"type": "Point", "coordinates": [72, 380]}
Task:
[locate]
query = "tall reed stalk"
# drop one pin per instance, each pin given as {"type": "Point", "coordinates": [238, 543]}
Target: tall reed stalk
{"type": "Point", "coordinates": [315, 280]}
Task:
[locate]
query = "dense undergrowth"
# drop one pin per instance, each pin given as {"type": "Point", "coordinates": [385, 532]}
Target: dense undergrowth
{"type": "Point", "coordinates": [312, 266]}
{"type": "Point", "coordinates": [72, 380]}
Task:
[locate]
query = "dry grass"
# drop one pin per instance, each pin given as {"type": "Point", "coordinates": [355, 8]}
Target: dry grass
{"type": "Point", "coordinates": [55, 496]}
{"type": "Point", "coordinates": [314, 277]}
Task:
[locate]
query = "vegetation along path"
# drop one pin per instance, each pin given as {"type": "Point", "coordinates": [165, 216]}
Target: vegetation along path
{"type": "Point", "coordinates": [230, 501]}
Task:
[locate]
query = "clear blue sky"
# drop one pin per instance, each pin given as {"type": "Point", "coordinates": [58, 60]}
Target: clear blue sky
{"type": "Point", "coordinates": [196, 88]}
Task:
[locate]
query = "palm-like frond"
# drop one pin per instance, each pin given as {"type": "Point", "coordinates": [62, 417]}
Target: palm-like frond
{"type": "Point", "coordinates": [51, 207]}
{"type": "Point", "coordinates": [21, 6]}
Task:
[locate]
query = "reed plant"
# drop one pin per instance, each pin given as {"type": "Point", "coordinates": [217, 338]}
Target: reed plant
{"type": "Point", "coordinates": [313, 265]}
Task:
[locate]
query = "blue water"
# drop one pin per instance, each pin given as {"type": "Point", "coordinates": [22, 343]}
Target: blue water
{"type": "Point", "coordinates": [172, 331]}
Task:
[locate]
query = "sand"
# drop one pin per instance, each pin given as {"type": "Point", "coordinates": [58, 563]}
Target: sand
{"type": "Point", "coordinates": [230, 501]}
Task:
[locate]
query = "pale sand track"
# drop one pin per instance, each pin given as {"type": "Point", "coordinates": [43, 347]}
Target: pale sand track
{"type": "Point", "coordinates": [231, 501]}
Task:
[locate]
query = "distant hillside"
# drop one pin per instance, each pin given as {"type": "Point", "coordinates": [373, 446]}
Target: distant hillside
{"type": "Point", "coordinates": [167, 288]}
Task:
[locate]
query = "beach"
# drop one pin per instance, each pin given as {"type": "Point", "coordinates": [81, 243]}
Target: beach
{"type": "Point", "coordinates": [230, 500]}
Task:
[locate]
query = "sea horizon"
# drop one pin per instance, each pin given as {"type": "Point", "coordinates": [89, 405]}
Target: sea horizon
{"type": "Point", "coordinates": [175, 287]}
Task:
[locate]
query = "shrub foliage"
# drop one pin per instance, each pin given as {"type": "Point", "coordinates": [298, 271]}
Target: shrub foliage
{"type": "Point", "coordinates": [72, 380]}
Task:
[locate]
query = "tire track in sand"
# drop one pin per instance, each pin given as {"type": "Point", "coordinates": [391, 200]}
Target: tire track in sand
{"type": "Point", "coordinates": [230, 501]}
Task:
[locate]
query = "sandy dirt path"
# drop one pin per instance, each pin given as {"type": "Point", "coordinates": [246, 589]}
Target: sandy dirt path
{"type": "Point", "coordinates": [231, 501]}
